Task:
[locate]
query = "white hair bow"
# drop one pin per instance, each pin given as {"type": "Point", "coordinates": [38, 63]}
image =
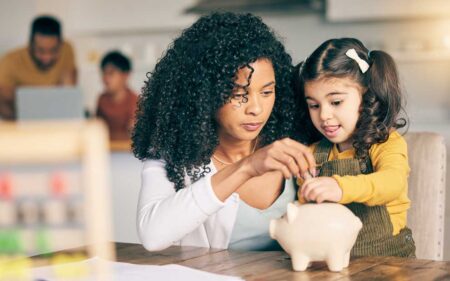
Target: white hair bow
{"type": "Point", "coordinates": [363, 65]}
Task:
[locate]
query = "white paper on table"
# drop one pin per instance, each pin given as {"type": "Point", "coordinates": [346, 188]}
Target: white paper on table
{"type": "Point", "coordinates": [129, 272]}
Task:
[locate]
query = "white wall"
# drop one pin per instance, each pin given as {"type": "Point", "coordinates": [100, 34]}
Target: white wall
{"type": "Point", "coordinates": [15, 25]}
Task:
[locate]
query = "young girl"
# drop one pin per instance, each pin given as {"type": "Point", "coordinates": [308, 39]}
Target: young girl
{"type": "Point", "coordinates": [353, 99]}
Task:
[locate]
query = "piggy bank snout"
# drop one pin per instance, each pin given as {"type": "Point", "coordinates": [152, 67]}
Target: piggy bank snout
{"type": "Point", "coordinates": [272, 228]}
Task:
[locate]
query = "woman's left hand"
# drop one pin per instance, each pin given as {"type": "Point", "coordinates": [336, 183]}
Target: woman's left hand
{"type": "Point", "coordinates": [321, 189]}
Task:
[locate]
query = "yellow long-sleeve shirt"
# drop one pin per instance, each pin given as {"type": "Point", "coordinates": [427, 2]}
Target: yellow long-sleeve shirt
{"type": "Point", "coordinates": [387, 185]}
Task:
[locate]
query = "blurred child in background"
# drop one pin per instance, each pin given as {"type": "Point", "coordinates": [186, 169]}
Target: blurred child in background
{"type": "Point", "coordinates": [117, 105]}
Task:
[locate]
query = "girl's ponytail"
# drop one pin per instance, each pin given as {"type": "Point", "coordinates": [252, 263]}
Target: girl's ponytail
{"type": "Point", "coordinates": [384, 83]}
{"type": "Point", "coordinates": [381, 105]}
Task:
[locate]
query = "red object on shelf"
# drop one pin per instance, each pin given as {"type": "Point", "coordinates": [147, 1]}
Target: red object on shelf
{"type": "Point", "coordinates": [58, 184]}
{"type": "Point", "coordinates": [6, 187]}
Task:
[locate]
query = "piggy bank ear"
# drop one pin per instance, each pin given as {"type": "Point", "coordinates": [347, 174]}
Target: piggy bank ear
{"type": "Point", "coordinates": [291, 212]}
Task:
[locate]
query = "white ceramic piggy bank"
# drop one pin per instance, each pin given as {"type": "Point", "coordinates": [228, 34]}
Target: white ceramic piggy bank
{"type": "Point", "coordinates": [317, 232]}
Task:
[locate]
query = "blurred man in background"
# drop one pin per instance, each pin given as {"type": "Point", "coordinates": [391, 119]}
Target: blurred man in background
{"type": "Point", "coordinates": [47, 61]}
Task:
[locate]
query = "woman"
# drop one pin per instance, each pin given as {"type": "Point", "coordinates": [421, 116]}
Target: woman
{"type": "Point", "coordinates": [213, 124]}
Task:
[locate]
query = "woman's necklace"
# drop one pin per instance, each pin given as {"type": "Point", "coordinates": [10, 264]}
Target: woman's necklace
{"type": "Point", "coordinates": [229, 163]}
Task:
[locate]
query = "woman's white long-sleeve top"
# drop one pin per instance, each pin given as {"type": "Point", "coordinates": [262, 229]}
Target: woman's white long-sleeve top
{"type": "Point", "coordinates": [193, 216]}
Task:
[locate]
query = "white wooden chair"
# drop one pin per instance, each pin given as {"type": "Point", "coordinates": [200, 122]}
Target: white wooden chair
{"type": "Point", "coordinates": [427, 159]}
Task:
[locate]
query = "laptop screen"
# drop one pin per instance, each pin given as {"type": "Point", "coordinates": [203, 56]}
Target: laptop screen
{"type": "Point", "coordinates": [49, 103]}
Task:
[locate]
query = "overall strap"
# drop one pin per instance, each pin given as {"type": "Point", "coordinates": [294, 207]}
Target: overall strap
{"type": "Point", "coordinates": [322, 151]}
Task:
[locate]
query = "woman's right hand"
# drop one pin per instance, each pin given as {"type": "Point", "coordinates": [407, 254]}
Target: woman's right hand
{"type": "Point", "coordinates": [287, 156]}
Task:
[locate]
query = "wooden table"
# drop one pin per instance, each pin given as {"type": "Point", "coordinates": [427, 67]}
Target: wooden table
{"type": "Point", "coordinates": [277, 265]}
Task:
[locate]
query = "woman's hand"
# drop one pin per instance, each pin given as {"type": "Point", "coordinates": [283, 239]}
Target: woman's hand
{"type": "Point", "coordinates": [287, 156]}
{"type": "Point", "coordinates": [321, 189]}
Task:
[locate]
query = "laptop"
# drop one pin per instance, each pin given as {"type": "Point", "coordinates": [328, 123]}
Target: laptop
{"type": "Point", "coordinates": [49, 103]}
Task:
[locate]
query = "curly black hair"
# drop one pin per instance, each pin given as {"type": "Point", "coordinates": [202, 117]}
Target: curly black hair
{"type": "Point", "coordinates": [175, 120]}
{"type": "Point", "coordinates": [382, 101]}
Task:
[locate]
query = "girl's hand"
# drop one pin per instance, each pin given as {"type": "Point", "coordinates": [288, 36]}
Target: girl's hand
{"type": "Point", "coordinates": [321, 189]}
{"type": "Point", "coordinates": [287, 156]}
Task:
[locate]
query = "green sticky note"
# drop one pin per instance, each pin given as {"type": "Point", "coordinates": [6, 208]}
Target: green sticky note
{"type": "Point", "coordinates": [42, 242]}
